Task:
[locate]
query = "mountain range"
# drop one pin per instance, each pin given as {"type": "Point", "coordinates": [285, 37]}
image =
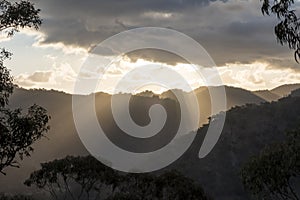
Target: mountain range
{"type": "Point", "coordinates": [254, 119]}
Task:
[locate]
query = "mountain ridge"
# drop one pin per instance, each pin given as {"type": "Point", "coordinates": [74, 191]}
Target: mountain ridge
{"type": "Point", "coordinates": [64, 140]}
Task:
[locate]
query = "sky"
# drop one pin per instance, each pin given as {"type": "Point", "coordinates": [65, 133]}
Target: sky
{"type": "Point", "coordinates": [235, 34]}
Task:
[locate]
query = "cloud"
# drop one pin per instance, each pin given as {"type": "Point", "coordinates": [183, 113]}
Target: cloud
{"type": "Point", "coordinates": [235, 33]}
{"type": "Point", "coordinates": [230, 31]}
{"type": "Point", "coordinates": [125, 76]}
{"type": "Point", "coordinates": [89, 22]}
{"type": "Point", "coordinates": [257, 75]}
{"type": "Point", "coordinates": [40, 76]}
{"type": "Point", "coordinates": [60, 78]}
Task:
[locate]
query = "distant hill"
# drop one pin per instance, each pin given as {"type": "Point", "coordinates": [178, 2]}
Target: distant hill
{"type": "Point", "coordinates": [285, 90]}
{"type": "Point", "coordinates": [235, 97]}
{"type": "Point", "coordinates": [267, 95]}
{"type": "Point", "coordinates": [276, 93]}
{"type": "Point", "coordinates": [243, 123]}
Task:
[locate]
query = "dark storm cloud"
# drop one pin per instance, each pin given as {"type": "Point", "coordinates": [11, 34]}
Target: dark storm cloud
{"type": "Point", "coordinates": [84, 23]}
{"type": "Point", "coordinates": [156, 56]}
{"type": "Point", "coordinates": [231, 31]}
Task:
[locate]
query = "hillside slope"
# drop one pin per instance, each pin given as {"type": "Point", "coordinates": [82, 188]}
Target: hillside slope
{"type": "Point", "coordinates": [63, 139]}
{"type": "Point", "coordinates": [247, 130]}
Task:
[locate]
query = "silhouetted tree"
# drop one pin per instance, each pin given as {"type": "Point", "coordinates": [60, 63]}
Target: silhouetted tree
{"type": "Point", "coordinates": [169, 185]}
{"type": "Point", "coordinates": [73, 177]}
{"type": "Point", "coordinates": [17, 15]}
{"type": "Point", "coordinates": [18, 130]}
{"type": "Point", "coordinates": [274, 174]}
{"type": "Point", "coordinates": [87, 178]}
{"type": "Point", "coordinates": [287, 30]}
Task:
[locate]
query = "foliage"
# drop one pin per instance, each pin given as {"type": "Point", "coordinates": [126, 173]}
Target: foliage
{"type": "Point", "coordinates": [18, 130]}
{"type": "Point", "coordinates": [287, 30]}
{"type": "Point", "coordinates": [6, 85]}
{"type": "Point", "coordinates": [275, 173]}
{"type": "Point", "coordinates": [15, 197]}
{"type": "Point", "coordinates": [169, 185]}
{"type": "Point", "coordinates": [61, 178]}
{"type": "Point", "coordinates": [17, 15]}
